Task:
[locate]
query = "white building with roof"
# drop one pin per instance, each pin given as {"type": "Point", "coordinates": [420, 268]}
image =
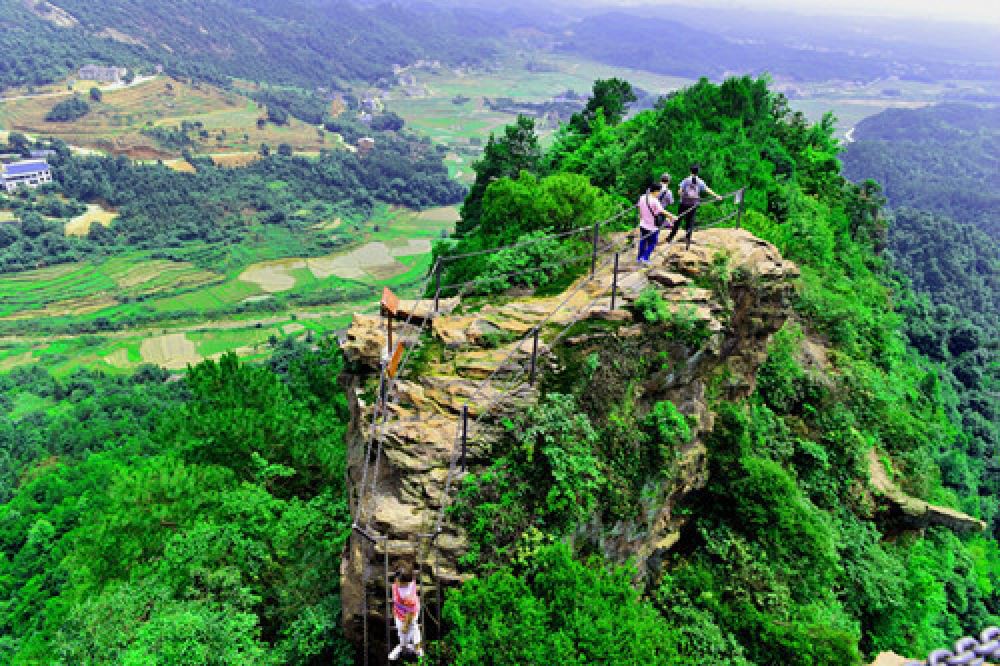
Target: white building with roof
{"type": "Point", "coordinates": [27, 173]}
{"type": "Point", "coordinates": [102, 74]}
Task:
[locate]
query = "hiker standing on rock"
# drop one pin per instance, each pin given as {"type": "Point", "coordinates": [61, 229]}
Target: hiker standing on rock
{"type": "Point", "coordinates": [690, 189]}
{"type": "Point", "coordinates": [652, 217]}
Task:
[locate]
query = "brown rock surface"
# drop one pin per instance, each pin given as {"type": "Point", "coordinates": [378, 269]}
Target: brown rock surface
{"type": "Point", "coordinates": [416, 449]}
{"type": "Point", "coordinates": [917, 512]}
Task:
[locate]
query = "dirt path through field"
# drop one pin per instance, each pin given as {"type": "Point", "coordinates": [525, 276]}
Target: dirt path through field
{"type": "Point", "coordinates": [222, 325]}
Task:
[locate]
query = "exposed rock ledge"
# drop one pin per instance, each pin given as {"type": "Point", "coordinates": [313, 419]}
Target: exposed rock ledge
{"type": "Point", "coordinates": [893, 659]}
{"type": "Point", "coordinates": [917, 512]}
{"type": "Point", "coordinates": [740, 312]}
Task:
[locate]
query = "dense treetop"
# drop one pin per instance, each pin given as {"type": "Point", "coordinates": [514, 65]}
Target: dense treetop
{"type": "Point", "coordinates": [160, 208]}
{"type": "Point", "coordinates": [943, 158]}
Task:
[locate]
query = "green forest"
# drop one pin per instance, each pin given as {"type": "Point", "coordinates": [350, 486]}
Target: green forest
{"type": "Point", "coordinates": [940, 171]}
{"type": "Point", "coordinates": [195, 522]}
{"type": "Point", "coordinates": [160, 208]}
{"type": "Point", "coordinates": [200, 518]}
{"type": "Point", "coordinates": [784, 563]}
{"type": "Point", "coordinates": [942, 159]}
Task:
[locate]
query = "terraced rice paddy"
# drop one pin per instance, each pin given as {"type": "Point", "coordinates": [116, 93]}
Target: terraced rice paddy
{"type": "Point", "coordinates": [137, 284]}
{"type": "Point", "coordinates": [77, 289]}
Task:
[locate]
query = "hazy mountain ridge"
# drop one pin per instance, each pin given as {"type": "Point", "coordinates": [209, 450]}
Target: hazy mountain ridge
{"type": "Point", "coordinates": [301, 42]}
{"type": "Point", "coordinates": [668, 42]}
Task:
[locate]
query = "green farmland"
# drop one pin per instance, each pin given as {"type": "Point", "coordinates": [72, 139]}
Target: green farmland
{"type": "Point", "coordinates": [121, 312]}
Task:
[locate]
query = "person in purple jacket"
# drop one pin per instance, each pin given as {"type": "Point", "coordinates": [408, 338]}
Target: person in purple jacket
{"type": "Point", "coordinates": [652, 216]}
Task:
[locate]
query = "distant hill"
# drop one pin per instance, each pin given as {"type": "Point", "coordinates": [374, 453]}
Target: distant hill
{"type": "Point", "coordinates": [938, 123]}
{"type": "Point", "coordinates": [308, 42]}
{"type": "Point", "coordinates": [668, 44]}
{"type": "Point", "coordinates": [943, 158]}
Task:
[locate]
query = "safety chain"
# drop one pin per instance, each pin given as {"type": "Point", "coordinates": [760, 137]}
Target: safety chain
{"type": "Point", "coordinates": [968, 651]}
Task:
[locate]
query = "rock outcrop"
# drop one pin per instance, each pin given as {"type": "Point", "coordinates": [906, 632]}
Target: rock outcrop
{"type": "Point", "coordinates": [914, 512]}
{"type": "Point", "coordinates": [730, 283]}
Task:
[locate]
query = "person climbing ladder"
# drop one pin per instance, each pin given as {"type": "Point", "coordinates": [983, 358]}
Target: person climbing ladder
{"type": "Point", "coordinates": [406, 611]}
{"type": "Point", "coordinates": [691, 189]}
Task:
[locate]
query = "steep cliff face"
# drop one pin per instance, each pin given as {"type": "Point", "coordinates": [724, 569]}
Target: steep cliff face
{"type": "Point", "coordinates": [730, 290]}
{"type": "Point", "coordinates": [691, 329]}
{"type": "Point", "coordinates": [739, 286]}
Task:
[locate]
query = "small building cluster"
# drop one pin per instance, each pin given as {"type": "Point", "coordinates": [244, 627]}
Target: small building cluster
{"type": "Point", "coordinates": [27, 173]}
{"type": "Point", "coordinates": [101, 73]}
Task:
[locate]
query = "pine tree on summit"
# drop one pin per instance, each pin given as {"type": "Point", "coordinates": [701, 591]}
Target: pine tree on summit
{"type": "Point", "coordinates": [612, 96]}
{"type": "Point", "coordinates": [505, 157]}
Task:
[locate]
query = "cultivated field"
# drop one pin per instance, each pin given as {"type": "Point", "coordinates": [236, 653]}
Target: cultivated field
{"type": "Point", "coordinates": [203, 305]}
{"type": "Point", "coordinates": [459, 126]}
{"type": "Point", "coordinates": [113, 124]}
{"type": "Point", "coordinates": [80, 226]}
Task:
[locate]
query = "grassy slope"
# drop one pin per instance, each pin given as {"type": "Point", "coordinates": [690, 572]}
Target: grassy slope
{"type": "Point", "coordinates": [114, 123]}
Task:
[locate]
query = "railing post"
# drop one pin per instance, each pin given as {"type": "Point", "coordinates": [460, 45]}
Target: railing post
{"type": "Point", "coordinates": [389, 318]}
{"type": "Point", "coordinates": [437, 286]}
{"type": "Point", "coordinates": [614, 283]}
{"type": "Point", "coordinates": [534, 357]}
{"type": "Point", "coordinates": [597, 239]}
{"type": "Point", "coordinates": [465, 433]}
{"type": "Point", "coordinates": [739, 209]}
{"type": "Point", "coordinates": [382, 390]}
{"type": "Point", "coordinates": [388, 594]}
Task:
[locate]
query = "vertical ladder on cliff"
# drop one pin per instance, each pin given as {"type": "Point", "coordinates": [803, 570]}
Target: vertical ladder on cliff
{"type": "Point", "coordinates": [413, 551]}
{"type": "Point", "coordinates": [421, 574]}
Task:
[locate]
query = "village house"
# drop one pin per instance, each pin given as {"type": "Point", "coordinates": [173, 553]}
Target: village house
{"type": "Point", "coordinates": [29, 173]}
{"type": "Point", "coordinates": [372, 104]}
{"type": "Point", "coordinates": [102, 74]}
{"type": "Point", "coordinates": [365, 145]}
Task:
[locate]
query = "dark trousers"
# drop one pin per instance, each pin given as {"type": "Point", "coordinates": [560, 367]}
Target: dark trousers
{"type": "Point", "coordinates": [686, 212]}
{"type": "Point", "coordinates": [647, 243]}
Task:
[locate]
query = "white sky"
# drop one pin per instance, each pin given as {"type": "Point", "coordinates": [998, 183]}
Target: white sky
{"type": "Point", "coordinates": [979, 11]}
{"type": "Point", "coordinates": [958, 10]}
